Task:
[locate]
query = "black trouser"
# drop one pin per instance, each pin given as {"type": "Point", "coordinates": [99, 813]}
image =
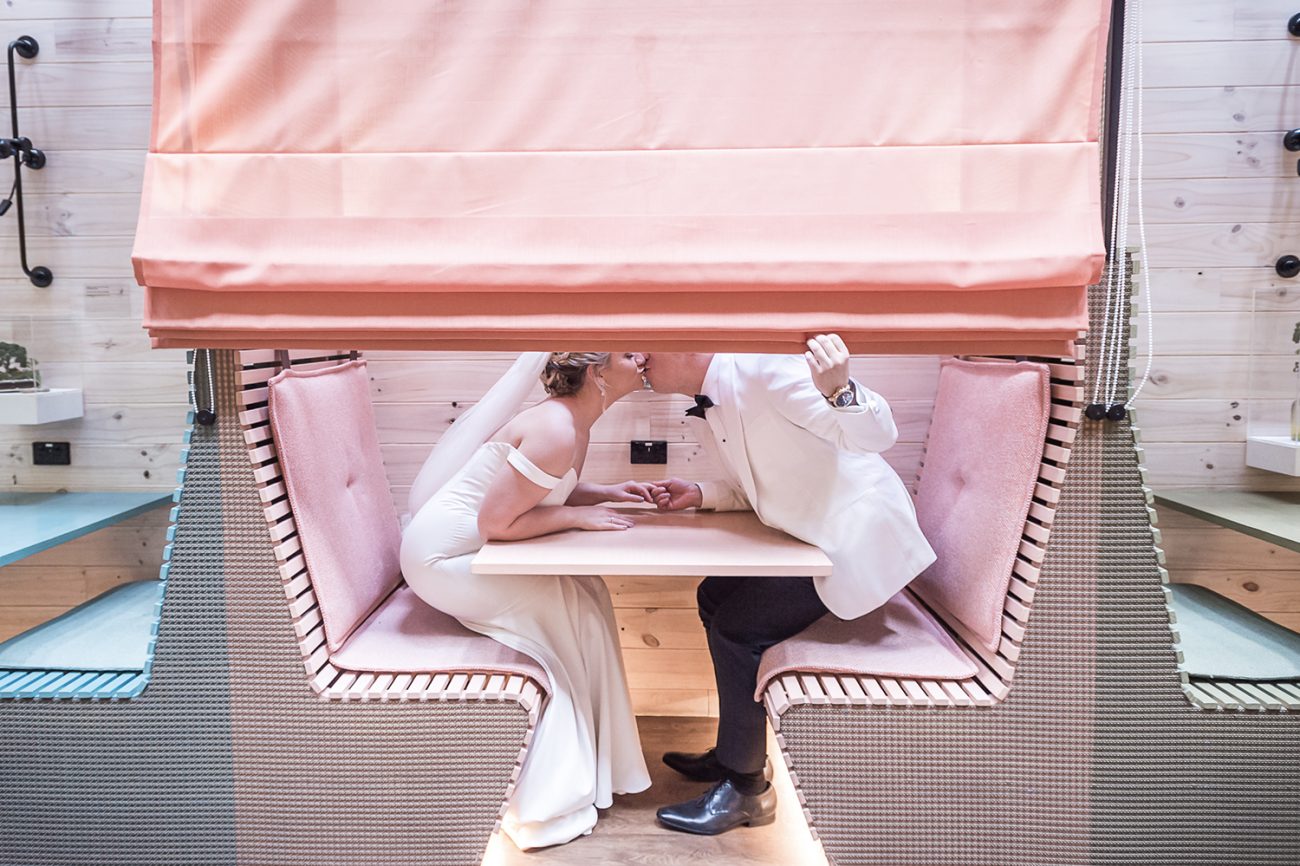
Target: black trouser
{"type": "Point", "coordinates": [742, 617]}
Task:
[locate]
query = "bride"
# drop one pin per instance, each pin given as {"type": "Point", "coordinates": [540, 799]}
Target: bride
{"type": "Point", "coordinates": [498, 475]}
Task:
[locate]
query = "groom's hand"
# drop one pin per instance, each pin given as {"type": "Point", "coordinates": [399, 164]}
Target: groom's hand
{"type": "Point", "coordinates": [828, 361]}
{"type": "Point", "coordinates": [676, 494]}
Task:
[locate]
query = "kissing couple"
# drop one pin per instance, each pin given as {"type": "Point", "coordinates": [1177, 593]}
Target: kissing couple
{"type": "Point", "coordinates": [797, 441]}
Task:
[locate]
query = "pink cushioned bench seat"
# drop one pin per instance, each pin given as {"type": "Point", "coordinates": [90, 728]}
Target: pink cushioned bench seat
{"type": "Point", "coordinates": [898, 639]}
{"type": "Point", "coordinates": [972, 502]}
{"type": "Point", "coordinates": [407, 636]}
{"type": "Point", "coordinates": [975, 502]}
{"type": "Point", "coordinates": [355, 615]}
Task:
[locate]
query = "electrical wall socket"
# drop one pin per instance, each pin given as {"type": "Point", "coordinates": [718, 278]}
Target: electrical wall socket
{"type": "Point", "coordinates": [653, 451]}
{"type": "Point", "coordinates": [51, 454]}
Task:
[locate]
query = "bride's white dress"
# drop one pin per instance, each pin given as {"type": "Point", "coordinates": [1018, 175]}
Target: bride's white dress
{"type": "Point", "coordinates": [586, 747]}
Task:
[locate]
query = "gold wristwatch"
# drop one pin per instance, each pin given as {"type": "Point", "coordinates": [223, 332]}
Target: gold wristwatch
{"type": "Point", "coordinates": [843, 396]}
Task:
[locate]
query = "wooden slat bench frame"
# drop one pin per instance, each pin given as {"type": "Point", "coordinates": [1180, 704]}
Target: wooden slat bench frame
{"type": "Point", "coordinates": [995, 669]}
{"type": "Point", "coordinates": [79, 685]}
{"type": "Point", "coordinates": [331, 682]}
{"type": "Point", "coordinates": [1241, 695]}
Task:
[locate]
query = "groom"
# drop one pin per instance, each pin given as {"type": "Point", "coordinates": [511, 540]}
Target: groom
{"type": "Point", "coordinates": [798, 442]}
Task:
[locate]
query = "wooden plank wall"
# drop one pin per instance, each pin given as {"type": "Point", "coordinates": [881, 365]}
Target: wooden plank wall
{"type": "Point", "coordinates": [1222, 203]}
{"type": "Point", "coordinates": [85, 102]}
{"type": "Point", "coordinates": [1219, 202]}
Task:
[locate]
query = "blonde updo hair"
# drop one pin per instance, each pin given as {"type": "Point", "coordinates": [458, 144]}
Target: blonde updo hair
{"type": "Point", "coordinates": [566, 371]}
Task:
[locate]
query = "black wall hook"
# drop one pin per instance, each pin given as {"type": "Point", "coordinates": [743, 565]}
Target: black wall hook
{"type": "Point", "coordinates": [24, 154]}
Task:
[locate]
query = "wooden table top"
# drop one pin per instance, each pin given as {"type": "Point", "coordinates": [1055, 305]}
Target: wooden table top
{"type": "Point", "coordinates": [685, 543]}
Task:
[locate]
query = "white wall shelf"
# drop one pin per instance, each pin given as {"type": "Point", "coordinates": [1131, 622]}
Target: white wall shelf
{"type": "Point", "coordinates": [1274, 453]}
{"type": "Point", "coordinates": [40, 407]}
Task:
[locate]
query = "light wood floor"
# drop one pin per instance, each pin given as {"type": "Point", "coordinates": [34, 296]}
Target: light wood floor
{"type": "Point", "coordinates": [628, 832]}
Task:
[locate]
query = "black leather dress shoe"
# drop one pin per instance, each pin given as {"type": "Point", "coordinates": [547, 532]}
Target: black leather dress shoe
{"type": "Point", "coordinates": [720, 809]}
{"type": "Point", "coordinates": [704, 766]}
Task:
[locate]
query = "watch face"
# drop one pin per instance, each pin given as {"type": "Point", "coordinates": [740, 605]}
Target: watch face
{"type": "Point", "coordinates": [844, 399]}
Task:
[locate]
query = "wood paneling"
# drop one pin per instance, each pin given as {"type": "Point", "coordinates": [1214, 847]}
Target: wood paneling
{"type": "Point", "coordinates": [1195, 20]}
{"type": "Point", "coordinates": [608, 463]}
{"type": "Point", "coordinates": [1212, 62]}
{"type": "Point", "coordinates": [1193, 421]}
{"type": "Point", "coordinates": [1259, 575]}
{"type": "Point", "coordinates": [118, 172]}
{"type": "Point", "coordinates": [1216, 155]}
{"type": "Point", "coordinates": [48, 583]}
{"type": "Point", "coordinates": [1199, 377]}
{"type": "Point", "coordinates": [1218, 244]}
{"type": "Point", "coordinates": [1190, 289]}
{"type": "Point", "coordinates": [1225, 108]}
{"type": "Point", "coordinates": [84, 127]}
{"type": "Point", "coordinates": [1218, 332]}
{"type": "Point", "coordinates": [1214, 199]}
{"type": "Point", "coordinates": [1222, 201]}
{"type": "Point", "coordinates": [53, 84]}
{"type": "Point", "coordinates": [657, 592]}
{"type": "Point", "coordinates": [666, 628]}
{"type": "Point", "coordinates": [88, 215]}
{"type": "Point", "coordinates": [96, 467]}
{"type": "Point", "coordinates": [85, 102]}
{"type": "Point", "coordinates": [72, 11]}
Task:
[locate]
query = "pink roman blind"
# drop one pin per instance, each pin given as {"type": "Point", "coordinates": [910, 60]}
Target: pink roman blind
{"type": "Point", "coordinates": [502, 174]}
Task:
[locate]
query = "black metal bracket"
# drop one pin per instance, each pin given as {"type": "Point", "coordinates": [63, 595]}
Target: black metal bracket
{"type": "Point", "coordinates": [24, 154]}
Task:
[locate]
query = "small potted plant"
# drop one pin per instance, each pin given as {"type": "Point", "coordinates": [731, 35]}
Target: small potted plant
{"type": "Point", "coordinates": [18, 370]}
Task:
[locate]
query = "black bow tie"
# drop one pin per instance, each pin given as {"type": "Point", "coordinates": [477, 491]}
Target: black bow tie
{"type": "Point", "coordinates": [701, 403]}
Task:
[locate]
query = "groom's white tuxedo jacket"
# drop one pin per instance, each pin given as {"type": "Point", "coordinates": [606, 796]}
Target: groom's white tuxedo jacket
{"type": "Point", "coordinates": [814, 472]}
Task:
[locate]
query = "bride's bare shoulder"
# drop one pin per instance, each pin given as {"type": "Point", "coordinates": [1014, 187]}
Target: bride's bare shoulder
{"type": "Point", "coordinates": [545, 433]}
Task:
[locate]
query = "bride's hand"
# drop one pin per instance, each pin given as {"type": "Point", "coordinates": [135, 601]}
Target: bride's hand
{"type": "Point", "coordinates": [630, 491]}
{"type": "Point", "coordinates": [597, 518]}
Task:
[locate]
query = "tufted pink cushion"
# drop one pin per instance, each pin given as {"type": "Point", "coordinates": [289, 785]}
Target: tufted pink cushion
{"type": "Point", "coordinates": [408, 636]}
{"type": "Point", "coordinates": [324, 428]}
{"type": "Point", "coordinates": [898, 639]}
{"type": "Point", "coordinates": [981, 464]}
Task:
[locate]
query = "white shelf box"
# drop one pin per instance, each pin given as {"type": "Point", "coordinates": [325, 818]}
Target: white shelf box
{"type": "Point", "coordinates": [1273, 387]}
{"type": "Point", "coordinates": [1274, 453]}
{"type": "Point", "coordinates": [40, 407]}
